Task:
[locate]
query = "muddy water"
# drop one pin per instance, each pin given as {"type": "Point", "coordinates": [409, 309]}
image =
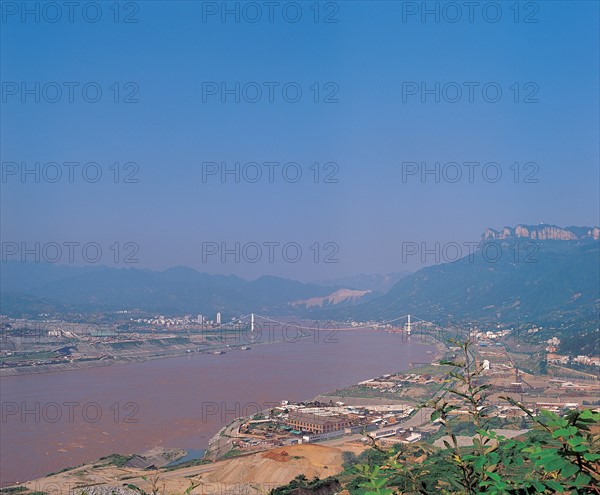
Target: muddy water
{"type": "Point", "coordinates": [54, 420]}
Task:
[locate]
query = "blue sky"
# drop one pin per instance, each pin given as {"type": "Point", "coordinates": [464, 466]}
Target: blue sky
{"type": "Point", "coordinates": [369, 132]}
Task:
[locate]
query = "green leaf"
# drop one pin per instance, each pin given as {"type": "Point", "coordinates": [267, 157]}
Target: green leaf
{"type": "Point", "coordinates": [493, 476]}
{"type": "Point", "coordinates": [554, 486]}
{"type": "Point", "coordinates": [591, 457]}
{"type": "Point", "coordinates": [582, 479]}
{"type": "Point", "coordinates": [569, 470]}
{"type": "Point", "coordinates": [564, 432]}
{"type": "Point", "coordinates": [579, 448]}
{"type": "Point", "coordinates": [379, 483]}
{"type": "Point", "coordinates": [538, 486]}
{"type": "Point", "coordinates": [554, 464]}
{"type": "Point", "coordinates": [549, 415]}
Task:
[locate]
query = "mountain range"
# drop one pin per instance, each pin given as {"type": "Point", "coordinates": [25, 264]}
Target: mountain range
{"type": "Point", "coordinates": [530, 273]}
{"type": "Point", "coordinates": [175, 290]}
{"type": "Point", "coordinates": [543, 271]}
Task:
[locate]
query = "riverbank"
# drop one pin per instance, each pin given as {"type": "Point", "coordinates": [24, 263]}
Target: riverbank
{"type": "Point", "coordinates": [226, 441]}
{"type": "Point", "coordinates": [182, 402]}
{"type": "Point", "coordinates": [127, 357]}
{"type": "Point", "coordinates": [257, 473]}
{"type": "Point", "coordinates": [86, 353]}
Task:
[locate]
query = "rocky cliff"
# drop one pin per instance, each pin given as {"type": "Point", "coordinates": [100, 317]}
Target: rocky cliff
{"type": "Point", "coordinates": [542, 232]}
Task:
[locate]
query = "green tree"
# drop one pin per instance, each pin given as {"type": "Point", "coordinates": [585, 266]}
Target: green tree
{"type": "Point", "coordinates": [560, 456]}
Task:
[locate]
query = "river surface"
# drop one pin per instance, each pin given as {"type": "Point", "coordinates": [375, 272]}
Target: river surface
{"type": "Point", "coordinates": [54, 420]}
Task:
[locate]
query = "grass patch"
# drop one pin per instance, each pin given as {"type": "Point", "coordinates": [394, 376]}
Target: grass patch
{"type": "Point", "coordinates": [117, 460]}
{"type": "Point", "coordinates": [232, 453]}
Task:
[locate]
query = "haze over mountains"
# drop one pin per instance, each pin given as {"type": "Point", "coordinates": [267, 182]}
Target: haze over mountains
{"type": "Point", "coordinates": [560, 279]}
{"type": "Point", "coordinates": [175, 290]}
{"type": "Point", "coordinates": [362, 281]}
{"type": "Point", "coordinates": [517, 274]}
{"type": "Point", "coordinates": [542, 270]}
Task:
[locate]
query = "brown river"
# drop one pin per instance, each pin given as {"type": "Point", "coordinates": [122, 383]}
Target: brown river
{"type": "Point", "coordinates": [54, 420]}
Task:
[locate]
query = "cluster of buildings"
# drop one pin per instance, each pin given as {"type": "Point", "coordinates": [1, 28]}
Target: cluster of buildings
{"type": "Point", "coordinates": [588, 360]}
{"type": "Point", "coordinates": [393, 383]}
{"type": "Point", "coordinates": [490, 335]}
{"type": "Point", "coordinates": [553, 357]}
{"type": "Point", "coordinates": [581, 359]}
{"type": "Point", "coordinates": [398, 435]}
{"type": "Point", "coordinates": [314, 422]}
{"type": "Point", "coordinates": [187, 321]}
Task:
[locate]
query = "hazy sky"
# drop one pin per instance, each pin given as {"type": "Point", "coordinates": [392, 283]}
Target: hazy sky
{"type": "Point", "coordinates": [367, 73]}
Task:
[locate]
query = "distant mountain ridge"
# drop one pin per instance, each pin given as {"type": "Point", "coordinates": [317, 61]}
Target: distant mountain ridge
{"type": "Point", "coordinates": [43, 286]}
{"type": "Point", "coordinates": [559, 278]}
{"type": "Point", "coordinates": [542, 232]}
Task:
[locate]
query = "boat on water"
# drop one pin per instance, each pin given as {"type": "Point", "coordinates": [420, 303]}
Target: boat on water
{"type": "Point", "coordinates": [216, 353]}
{"type": "Point", "coordinates": [245, 348]}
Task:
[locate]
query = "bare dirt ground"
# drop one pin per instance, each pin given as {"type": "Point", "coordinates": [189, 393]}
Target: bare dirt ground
{"type": "Point", "coordinates": [256, 473]}
{"type": "Point", "coordinates": [281, 465]}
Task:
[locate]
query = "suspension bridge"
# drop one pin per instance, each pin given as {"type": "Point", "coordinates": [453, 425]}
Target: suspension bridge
{"type": "Point", "coordinates": [408, 323]}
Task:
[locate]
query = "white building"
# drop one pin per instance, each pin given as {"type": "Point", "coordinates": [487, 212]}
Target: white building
{"type": "Point", "coordinates": [218, 320]}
